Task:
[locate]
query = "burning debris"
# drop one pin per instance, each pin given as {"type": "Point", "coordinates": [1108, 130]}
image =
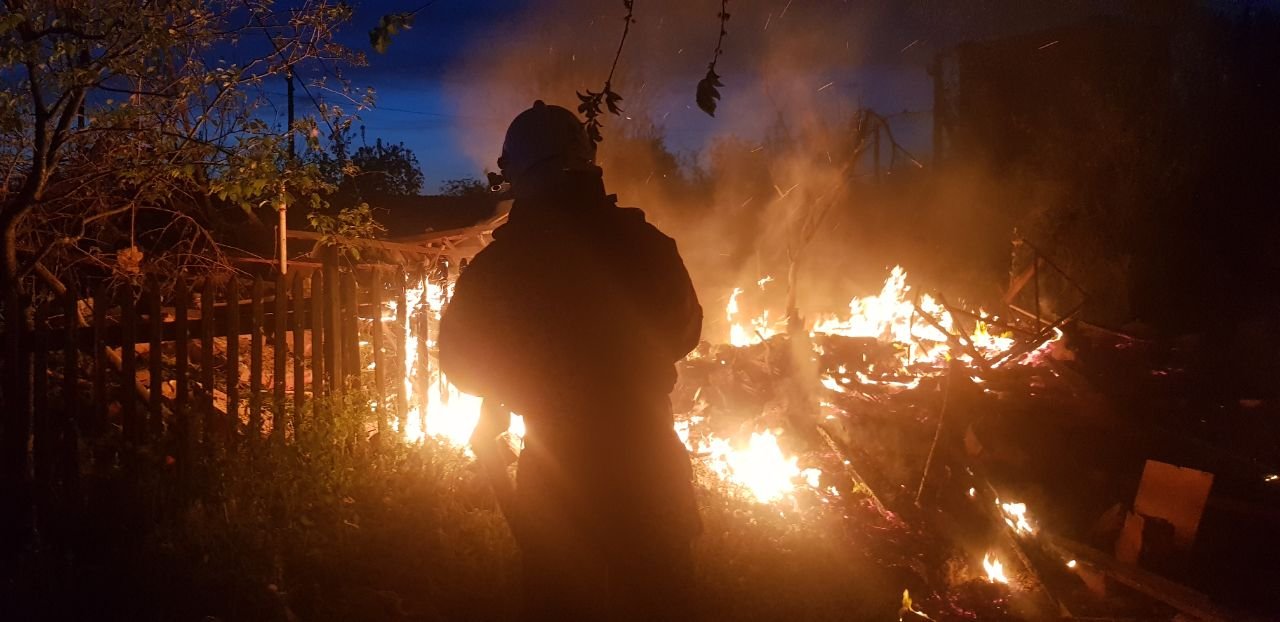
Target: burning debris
{"type": "Point", "coordinates": [817, 423]}
{"type": "Point", "coordinates": [885, 344]}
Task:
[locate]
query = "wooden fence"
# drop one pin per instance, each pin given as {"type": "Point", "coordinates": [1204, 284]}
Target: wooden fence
{"type": "Point", "coordinates": [204, 365]}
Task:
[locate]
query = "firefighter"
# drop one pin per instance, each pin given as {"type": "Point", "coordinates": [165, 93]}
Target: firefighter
{"type": "Point", "coordinates": [574, 316]}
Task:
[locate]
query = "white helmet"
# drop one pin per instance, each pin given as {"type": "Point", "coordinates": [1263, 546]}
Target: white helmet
{"type": "Point", "coordinates": [545, 138]}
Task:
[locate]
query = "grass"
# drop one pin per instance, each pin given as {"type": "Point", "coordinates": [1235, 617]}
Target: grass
{"type": "Point", "coordinates": [324, 530]}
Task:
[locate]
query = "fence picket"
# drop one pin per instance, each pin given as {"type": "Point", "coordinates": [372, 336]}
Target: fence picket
{"type": "Point", "coordinates": [351, 331]}
{"type": "Point", "coordinates": [233, 358]}
{"type": "Point", "coordinates": [99, 359]}
{"type": "Point", "coordinates": [317, 334]}
{"type": "Point", "coordinates": [343, 310]}
{"type": "Point", "coordinates": [333, 327]}
{"type": "Point", "coordinates": [424, 358]}
{"type": "Point", "coordinates": [128, 365]}
{"type": "Point", "coordinates": [375, 339]}
{"type": "Point", "coordinates": [279, 358]}
{"type": "Point", "coordinates": [181, 405]}
{"type": "Point", "coordinates": [207, 335]}
{"type": "Point", "coordinates": [296, 325]}
{"type": "Point", "coordinates": [398, 332]}
{"type": "Point", "coordinates": [255, 364]}
{"type": "Point", "coordinates": [155, 359]}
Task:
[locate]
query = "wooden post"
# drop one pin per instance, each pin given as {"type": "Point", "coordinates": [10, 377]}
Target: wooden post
{"type": "Point", "coordinates": [128, 365]}
{"type": "Point", "coordinates": [279, 358]}
{"type": "Point", "coordinates": [317, 334]}
{"type": "Point", "coordinates": [100, 358]}
{"type": "Point", "coordinates": [181, 415]}
{"type": "Point", "coordinates": [402, 316]}
{"type": "Point", "coordinates": [233, 358]}
{"type": "Point", "coordinates": [298, 328]}
{"type": "Point", "coordinates": [206, 360]}
{"type": "Point", "coordinates": [375, 338]}
{"type": "Point", "coordinates": [282, 210]}
{"type": "Point", "coordinates": [255, 365]}
{"type": "Point", "coordinates": [69, 450]}
{"type": "Point", "coordinates": [351, 330]}
{"type": "Point", "coordinates": [155, 322]}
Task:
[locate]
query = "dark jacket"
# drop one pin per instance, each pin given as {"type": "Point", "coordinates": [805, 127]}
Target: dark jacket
{"type": "Point", "coordinates": [577, 306]}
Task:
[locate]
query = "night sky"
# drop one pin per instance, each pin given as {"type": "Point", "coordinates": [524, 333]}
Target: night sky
{"type": "Point", "coordinates": [437, 93]}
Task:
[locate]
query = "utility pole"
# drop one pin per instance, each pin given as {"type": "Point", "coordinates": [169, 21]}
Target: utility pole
{"type": "Point", "coordinates": [282, 207]}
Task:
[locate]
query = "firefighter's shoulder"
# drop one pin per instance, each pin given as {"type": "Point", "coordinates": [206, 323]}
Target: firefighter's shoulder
{"type": "Point", "coordinates": [634, 220]}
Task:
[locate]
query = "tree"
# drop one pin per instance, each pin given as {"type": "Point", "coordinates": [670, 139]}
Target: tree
{"type": "Point", "coordinates": [124, 133]}
{"type": "Point", "coordinates": [384, 170]}
{"type": "Point", "coordinates": [463, 187]}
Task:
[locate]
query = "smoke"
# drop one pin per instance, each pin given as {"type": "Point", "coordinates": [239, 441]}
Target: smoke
{"type": "Point", "coordinates": [742, 192]}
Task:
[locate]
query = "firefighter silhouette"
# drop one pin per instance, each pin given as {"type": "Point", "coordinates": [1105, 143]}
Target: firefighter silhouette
{"type": "Point", "coordinates": [574, 316]}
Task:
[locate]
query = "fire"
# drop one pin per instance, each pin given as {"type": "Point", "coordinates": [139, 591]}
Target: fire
{"type": "Point", "coordinates": [451, 414]}
{"type": "Point", "coordinates": [1015, 515]}
{"type": "Point", "coordinates": [754, 330]}
{"type": "Point", "coordinates": [760, 468]}
{"type": "Point", "coordinates": [995, 569]}
{"type": "Point", "coordinates": [891, 316]}
{"type": "Point", "coordinates": [919, 326]}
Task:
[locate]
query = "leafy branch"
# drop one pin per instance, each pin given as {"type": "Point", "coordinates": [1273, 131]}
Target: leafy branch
{"type": "Point", "coordinates": [391, 24]}
{"type": "Point", "coordinates": [709, 85]}
{"type": "Point", "coordinates": [593, 103]}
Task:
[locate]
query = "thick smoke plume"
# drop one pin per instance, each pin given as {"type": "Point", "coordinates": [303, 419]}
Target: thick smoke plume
{"type": "Point", "coordinates": [739, 191]}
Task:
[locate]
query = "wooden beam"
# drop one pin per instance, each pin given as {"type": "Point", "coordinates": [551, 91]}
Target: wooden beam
{"type": "Point", "coordinates": [1175, 595]}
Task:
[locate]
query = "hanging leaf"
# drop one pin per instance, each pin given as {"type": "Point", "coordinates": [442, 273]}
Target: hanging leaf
{"type": "Point", "coordinates": [709, 87]}
{"type": "Point", "coordinates": [593, 106]}
{"type": "Point", "coordinates": [129, 260]}
{"type": "Point", "coordinates": [709, 91]}
{"type": "Point", "coordinates": [611, 99]}
{"type": "Point", "coordinates": [390, 24]}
